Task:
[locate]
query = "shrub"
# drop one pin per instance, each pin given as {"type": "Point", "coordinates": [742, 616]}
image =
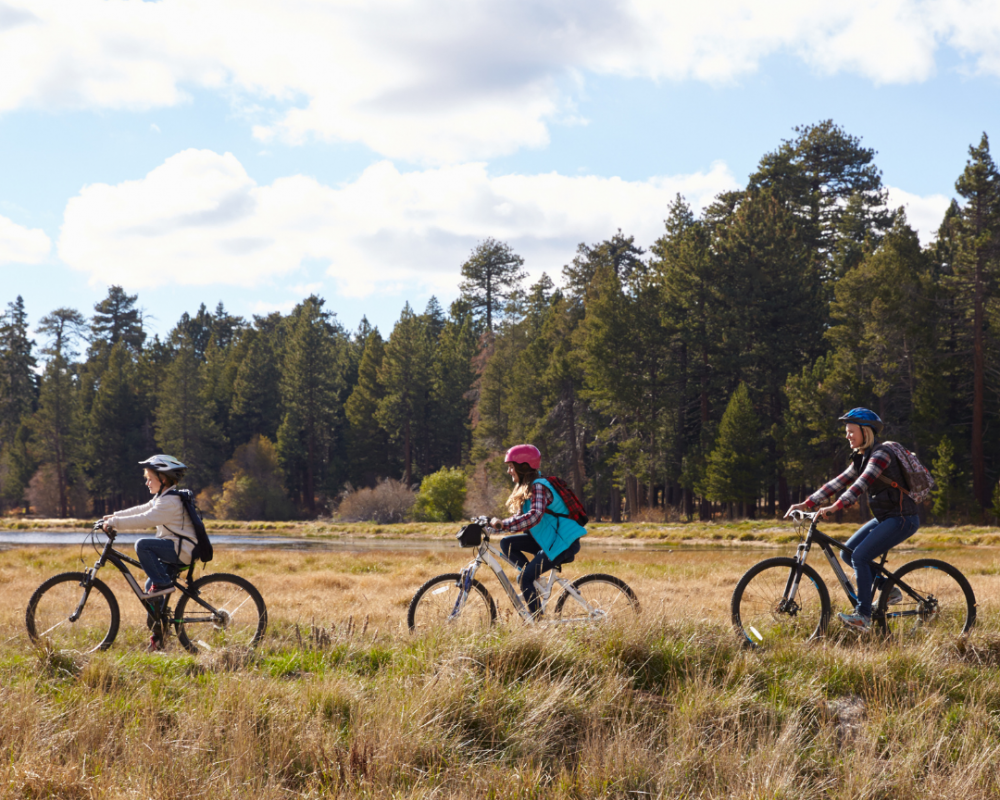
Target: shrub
{"type": "Point", "coordinates": [253, 487]}
{"type": "Point", "coordinates": [390, 501]}
{"type": "Point", "coordinates": [442, 496]}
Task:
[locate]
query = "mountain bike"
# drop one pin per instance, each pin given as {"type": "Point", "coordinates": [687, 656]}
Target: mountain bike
{"type": "Point", "coordinates": [76, 611]}
{"type": "Point", "coordinates": [772, 601]}
{"type": "Point", "coordinates": [460, 602]}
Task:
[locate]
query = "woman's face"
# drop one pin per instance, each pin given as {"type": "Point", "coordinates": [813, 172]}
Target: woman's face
{"type": "Point", "coordinates": [153, 482]}
{"type": "Point", "coordinates": [855, 435]}
{"type": "Point", "coordinates": [512, 471]}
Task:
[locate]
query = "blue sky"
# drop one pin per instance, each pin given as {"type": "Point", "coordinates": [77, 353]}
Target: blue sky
{"type": "Point", "coordinates": [251, 154]}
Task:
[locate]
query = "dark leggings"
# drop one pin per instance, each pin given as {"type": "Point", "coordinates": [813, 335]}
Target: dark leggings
{"type": "Point", "coordinates": [515, 547]}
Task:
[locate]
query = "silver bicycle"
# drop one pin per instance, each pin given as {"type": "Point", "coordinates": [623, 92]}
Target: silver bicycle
{"type": "Point", "coordinates": [458, 601]}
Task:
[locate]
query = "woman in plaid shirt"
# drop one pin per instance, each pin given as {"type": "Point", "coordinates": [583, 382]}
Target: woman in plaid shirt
{"type": "Point", "coordinates": [873, 470]}
{"type": "Point", "coordinates": [550, 538]}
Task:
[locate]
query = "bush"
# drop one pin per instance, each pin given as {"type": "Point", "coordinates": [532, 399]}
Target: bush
{"type": "Point", "coordinates": [253, 487]}
{"type": "Point", "coordinates": [390, 501]}
{"type": "Point", "coordinates": [442, 496]}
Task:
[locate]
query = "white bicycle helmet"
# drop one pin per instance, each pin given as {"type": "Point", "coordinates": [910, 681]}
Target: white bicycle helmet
{"type": "Point", "coordinates": [165, 465]}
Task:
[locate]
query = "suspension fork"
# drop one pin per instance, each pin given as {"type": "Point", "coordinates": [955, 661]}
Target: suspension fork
{"type": "Point", "coordinates": [795, 575]}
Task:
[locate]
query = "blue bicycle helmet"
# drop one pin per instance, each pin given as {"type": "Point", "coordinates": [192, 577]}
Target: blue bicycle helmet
{"type": "Point", "coordinates": [864, 417]}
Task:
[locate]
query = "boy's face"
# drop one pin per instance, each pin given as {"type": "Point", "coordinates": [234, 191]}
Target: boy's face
{"type": "Point", "coordinates": [153, 482]}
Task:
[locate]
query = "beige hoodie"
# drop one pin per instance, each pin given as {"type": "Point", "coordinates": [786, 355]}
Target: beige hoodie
{"type": "Point", "coordinates": [166, 513]}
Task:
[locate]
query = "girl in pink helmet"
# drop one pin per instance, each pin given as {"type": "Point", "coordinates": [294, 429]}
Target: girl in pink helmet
{"type": "Point", "coordinates": [550, 537]}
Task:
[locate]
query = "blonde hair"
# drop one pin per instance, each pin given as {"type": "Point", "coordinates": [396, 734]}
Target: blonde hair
{"type": "Point", "coordinates": [869, 435]}
{"type": "Point", "coordinates": [525, 477]}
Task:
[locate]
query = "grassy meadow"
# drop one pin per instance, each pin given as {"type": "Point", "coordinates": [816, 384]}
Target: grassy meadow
{"type": "Point", "coordinates": [341, 700]}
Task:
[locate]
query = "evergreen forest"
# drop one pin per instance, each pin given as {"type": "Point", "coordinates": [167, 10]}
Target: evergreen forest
{"type": "Point", "coordinates": [699, 375]}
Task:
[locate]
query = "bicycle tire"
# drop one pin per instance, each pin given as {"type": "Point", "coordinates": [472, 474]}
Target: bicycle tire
{"type": "Point", "coordinates": [239, 624]}
{"type": "Point", "coordinates": [946, 608]}
{"type": "Point", "coordinates": [610, 599]}
{"type": "Point", "coordinates": [433, 606]}
{"type": "Point", "coordinates": [756, 607]}
{"type": "Point", "coordinates": [54, 601]}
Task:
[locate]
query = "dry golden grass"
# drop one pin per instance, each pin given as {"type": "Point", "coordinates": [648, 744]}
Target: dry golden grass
{"type": "Point", "coordinates": [668, 707]}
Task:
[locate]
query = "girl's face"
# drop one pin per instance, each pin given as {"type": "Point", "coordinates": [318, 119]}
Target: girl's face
{"type": "Point", "coordinates": [153, 482]}
{"type": "Point", "coordinates": [512, 471]}
{"type": "Point", "coordinates": [854, 435]}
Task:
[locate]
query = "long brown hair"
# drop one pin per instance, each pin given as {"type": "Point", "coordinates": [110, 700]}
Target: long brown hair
{"type": "Point", "coordinates": [522, 491]}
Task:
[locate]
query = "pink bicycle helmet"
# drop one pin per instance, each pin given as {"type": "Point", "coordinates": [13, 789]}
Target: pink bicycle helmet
{"type": "Point", "coordinates": [524, 454]}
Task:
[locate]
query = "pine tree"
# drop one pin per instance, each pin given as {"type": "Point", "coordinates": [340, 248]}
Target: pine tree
{"type": "Point", "coordinates": [975, 274]}
{"type": "Point", "coordinates": [18, 395]}
{"type": "Point", "coordinates": [491, 274]}
{"type": "Point", "coordinates": [405, 379]}
{"type": "Point", "coordinates": [256, 404]}
{"type": "Point", "coordinates": [733, 473]}
{"type": "Point", "coordinates": [184, 427]}
{"type": "Point", "coordinates": [311, 381]}
{"type": "Point", "coordinates": [115, 431]}
{"type": "Point", "coordinates": [368, 442]}
{"type": "Point", "coordinates": [56, 424]}
{"type": "Point", "coordinates": [945, 474]}
{"type": "Point", "coordinates": [117, 319]}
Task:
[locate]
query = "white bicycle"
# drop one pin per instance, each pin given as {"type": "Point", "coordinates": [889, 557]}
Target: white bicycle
{"type": "Point", "coordinates": [458, 601]}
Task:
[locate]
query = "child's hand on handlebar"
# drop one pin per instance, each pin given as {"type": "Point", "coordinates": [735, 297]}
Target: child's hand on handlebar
{"type": "Point", "coordinates": [495, 523]}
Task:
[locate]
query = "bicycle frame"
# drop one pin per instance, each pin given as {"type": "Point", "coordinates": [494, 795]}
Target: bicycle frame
{"type": "Point", "coordinates": [489, 555]}
{"type": "Point", "coordinates": [827, 545]}
{"type": "Point", "coordinates": [119, 560]}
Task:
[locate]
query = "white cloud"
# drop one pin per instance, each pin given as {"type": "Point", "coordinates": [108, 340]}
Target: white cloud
{"type": "Point", "coordinates": [200, 219]}
{"type": "Point", "coordinates": [20, 245]}
{"type": "Point", "coordinates": [445, 81]}
{"type": "Point", "coordinates": [924, 214]}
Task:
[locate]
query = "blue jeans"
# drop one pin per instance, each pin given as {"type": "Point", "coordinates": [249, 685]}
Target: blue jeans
{"type": "Point", "coordinates": [153, 554]}
{"type": "Point", "coordinates": [515, 547]}
{"type": "Point", "coordinates": [869, 542]}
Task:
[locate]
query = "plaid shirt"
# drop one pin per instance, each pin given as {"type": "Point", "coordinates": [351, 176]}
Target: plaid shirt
{"type": "Point", "coordinates": [879, 460]}
{"type": "Point", "coordinates": [540, 499]}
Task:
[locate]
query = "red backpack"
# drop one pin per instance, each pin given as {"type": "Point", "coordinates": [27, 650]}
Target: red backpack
{"type": "Point", "coordinates": [573, 504]}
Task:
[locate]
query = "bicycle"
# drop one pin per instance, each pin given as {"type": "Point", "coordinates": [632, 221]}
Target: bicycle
{"type": "Point", "coordinates": [771, 601]}
{"type": "Point", "coordinates": [460, 602]}
{"type": "Point", "coordinates": [76, 611]}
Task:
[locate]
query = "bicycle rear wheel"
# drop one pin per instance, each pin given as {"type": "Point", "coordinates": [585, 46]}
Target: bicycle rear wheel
{"type": "Point", "coordinates": [64, 615]}
{"type": "Point", "coordinates": [606, 598]}
{"type": "Point", "coordinates": [438, 605]}
{"type": "Point", "coordinates": [236, 617]}
{"type": "Point", "coordinates": [761, 613]}
{"type": "Point", "coordinates": [939, 604]}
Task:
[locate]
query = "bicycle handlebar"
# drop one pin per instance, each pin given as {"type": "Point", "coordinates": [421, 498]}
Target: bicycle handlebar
{"type": "Point", "coordinates": [802, 514]}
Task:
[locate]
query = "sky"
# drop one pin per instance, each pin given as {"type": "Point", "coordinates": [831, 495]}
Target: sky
{"type": "Point", "coordinates": [252, 153]}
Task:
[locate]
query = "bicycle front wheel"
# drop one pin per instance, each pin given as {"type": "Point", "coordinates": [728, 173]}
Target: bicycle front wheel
{"type": "Point", "coordinates": [939, 603]}
{"type": "Point", "coordinates": [763, 614]}
{"type": "Point", "coordinates": [604, 598]}
{"type": "Point", "coordinates": [68, 617]}
{"type": "Point", "coordinates": [229, 614]}
{"type": "Point", "coordinates": [441, 603]}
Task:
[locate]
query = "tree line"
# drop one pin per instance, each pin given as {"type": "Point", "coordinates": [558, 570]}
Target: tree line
{"type": "Point", "coordinates": [699, 374]}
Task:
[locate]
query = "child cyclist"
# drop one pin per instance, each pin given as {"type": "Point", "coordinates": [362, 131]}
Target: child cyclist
{"type": "Point", "coordinates": [550, 537]}
{"type": "Point", "coordinates": [175, 536]}
{"type": "Point", "coordinates": [873, 469]}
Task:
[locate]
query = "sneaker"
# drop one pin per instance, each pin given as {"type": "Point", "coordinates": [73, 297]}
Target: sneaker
{"type": "Point", "coordinates": [155, 644]}
{"type": "Point", "coordinates": [159, 591]}
{"type": "Point", "coordinates": [855, 621]}
{"type": "Point", "coordinates": [895, 596]}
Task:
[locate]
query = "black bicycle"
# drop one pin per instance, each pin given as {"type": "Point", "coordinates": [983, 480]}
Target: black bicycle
{"type": "Point", "coordinates": [786, 598]}
{"type": "Point", "coordinates": [75, 611]}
